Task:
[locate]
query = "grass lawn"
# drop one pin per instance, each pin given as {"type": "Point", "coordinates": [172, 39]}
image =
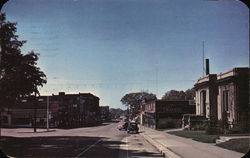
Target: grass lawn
{"type": "Point", "coordinates": [236, 134]}
{"type": "Point", "coordinates": [196, 135]}
{"type": "Point", "coordinates": [240, 145]}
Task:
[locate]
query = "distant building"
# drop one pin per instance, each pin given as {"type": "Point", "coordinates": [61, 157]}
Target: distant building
{"type": "Point", "coordinates": [23, 117]}
{"type": "Point", "coordinates": [65, 110]}
{"type": "Point", "coordinates": [22, 114]}
{"type": "Point", "coordinates": [105, 114]}
{"type": "Point", "coordinates": [76, 110]}
{"type": "Point", "coordinates": [224, 98]}
{"type": "Point", "coordinates": [165, 113]}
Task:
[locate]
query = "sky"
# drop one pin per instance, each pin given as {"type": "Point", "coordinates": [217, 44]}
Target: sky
{"type": "Point", "coordinates": [113, 47]}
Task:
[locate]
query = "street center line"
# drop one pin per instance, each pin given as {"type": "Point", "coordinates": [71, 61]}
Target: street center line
{"type": "Point", "coordinates": [89, 148]}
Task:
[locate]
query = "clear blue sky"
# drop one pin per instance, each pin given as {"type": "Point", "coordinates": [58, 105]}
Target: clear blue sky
{"type": "Point", "coordinates": [113, 47]}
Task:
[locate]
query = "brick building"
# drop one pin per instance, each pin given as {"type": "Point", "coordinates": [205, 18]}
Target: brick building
{"type": "Point", "coordinates": [104, 113]}
{"type": "Point", "coordinates": [165, 113]}
{"type": "Point", "coordinates": [65, 110]}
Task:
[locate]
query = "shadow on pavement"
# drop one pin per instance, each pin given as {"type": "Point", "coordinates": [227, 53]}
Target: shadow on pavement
{"type": "Point", "coordinates": [85, 126]}
{"type": "Point", "coordinates": [59, 146]}
{"type": "Point", "coordinates": [145, 154]}
{"type": "Point", "coordinates": [45, 131]}
{"type": "Point", "coordinates": [64, 146]}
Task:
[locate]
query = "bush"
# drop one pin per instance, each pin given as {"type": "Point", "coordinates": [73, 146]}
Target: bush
{"type": "Point", "coordinates": [224, 129]}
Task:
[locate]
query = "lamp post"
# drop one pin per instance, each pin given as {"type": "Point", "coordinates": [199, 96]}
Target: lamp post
{"type": "Point", "coordinates": [47, 112]}
{"type": "Point", "coordinates": [36, 100]}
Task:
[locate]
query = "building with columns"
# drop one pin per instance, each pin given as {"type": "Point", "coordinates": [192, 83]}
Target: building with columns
{"type": "Point", "coordinates": [224, 98]}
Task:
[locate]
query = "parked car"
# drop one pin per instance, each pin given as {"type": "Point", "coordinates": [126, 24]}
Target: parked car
{"type": "Point", "coordinates": [132, 128]}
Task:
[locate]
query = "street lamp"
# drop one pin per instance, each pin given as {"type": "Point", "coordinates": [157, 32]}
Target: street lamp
{"type": "Point", "coordinates": [33, 100]}
{"type": "Point", "coordinates": [47, 112]}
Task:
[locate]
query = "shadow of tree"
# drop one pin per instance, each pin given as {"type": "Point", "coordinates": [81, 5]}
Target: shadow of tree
{"type": "Point", "coordinates": [66, 146]}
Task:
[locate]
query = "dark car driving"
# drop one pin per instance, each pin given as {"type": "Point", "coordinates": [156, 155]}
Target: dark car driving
{"type": "Point", "coordinates": [132, 128]}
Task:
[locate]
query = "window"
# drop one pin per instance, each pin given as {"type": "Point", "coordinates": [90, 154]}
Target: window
{"type": "Point", "coordinates": [203, 102]}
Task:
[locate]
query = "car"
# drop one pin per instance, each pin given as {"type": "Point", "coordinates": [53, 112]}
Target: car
{"type": "Point", "coordinates": [133, 128]}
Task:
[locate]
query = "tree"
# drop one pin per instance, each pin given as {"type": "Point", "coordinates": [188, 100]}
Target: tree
{"type": "Point", "coordinates": [190, 94]}
{"type": "Point", "coordinates": [115, 113]}
{"type": "Point", "coordinates": [179, 95]}
{"type": "Point", "coordinates": [174, 95]}
{"type": "Point", "coordinates": [133, 100]}
{"type": "Point", "coordinates": [19, 74]}
{"type": "Point", "coordinates": [2, 2]}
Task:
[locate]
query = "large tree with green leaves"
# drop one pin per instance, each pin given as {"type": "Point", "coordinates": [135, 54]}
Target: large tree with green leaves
{"type": "Point", "coordinates": [19, 74]}
{"type": "Point", "coordinates": [189, 94]}
{"type": "Point", "coordinates": [2, 2]}
{"type": "Point", "coordinates": [133, 100]}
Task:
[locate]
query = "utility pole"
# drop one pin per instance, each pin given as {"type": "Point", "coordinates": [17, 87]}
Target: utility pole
{"type": "Point", "coordinates": [35, 102]}
{"type": "Point", "coordinates": [203, 50]}
{"type": "Point", "coordinates": [47, 112]}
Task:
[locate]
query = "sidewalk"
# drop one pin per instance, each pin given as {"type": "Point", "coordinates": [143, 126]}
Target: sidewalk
{"type": "Point", "coordinates": [178, 147]}
{"type": "Point", "coordinates": [27, 132]}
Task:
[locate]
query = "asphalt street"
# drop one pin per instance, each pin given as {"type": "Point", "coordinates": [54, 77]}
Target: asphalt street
{"type": "Point", "coordinates": [104, 141]}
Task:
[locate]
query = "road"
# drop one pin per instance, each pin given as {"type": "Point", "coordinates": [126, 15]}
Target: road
{"type": "Point", "coordinates": [102, 141]}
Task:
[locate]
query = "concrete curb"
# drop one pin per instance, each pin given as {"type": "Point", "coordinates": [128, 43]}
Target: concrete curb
{"type": "Point", "coordinates": [164, 150]}
{"type": "Point", "coordinates": [223, 139]}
